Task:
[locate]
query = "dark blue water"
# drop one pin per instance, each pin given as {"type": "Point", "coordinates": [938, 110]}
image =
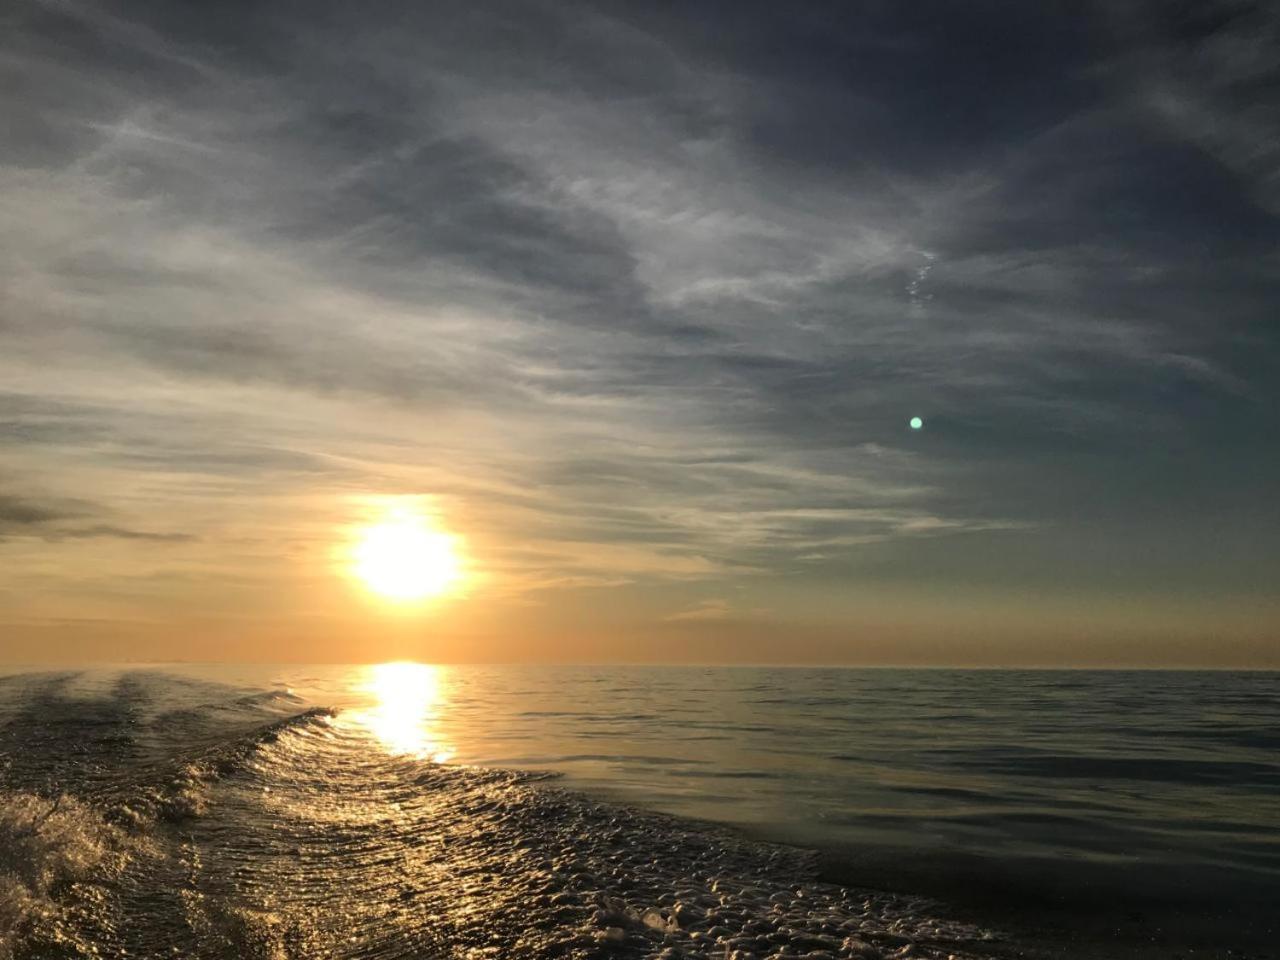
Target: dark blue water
{"type": "Point", "coordinates": [1101, 812]}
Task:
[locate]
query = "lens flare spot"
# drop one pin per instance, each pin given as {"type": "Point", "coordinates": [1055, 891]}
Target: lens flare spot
{"type": "Point", "coordinates": [916, 423]}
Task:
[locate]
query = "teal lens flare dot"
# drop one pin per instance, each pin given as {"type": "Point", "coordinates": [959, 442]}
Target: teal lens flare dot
{"type": "Point", "coordinates": [916, 423]}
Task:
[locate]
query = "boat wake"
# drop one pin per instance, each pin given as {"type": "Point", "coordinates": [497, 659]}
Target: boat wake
{"type": "Point", "coordinates": [159, 817]}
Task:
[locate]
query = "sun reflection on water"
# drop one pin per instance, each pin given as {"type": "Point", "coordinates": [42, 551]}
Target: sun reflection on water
{"type": "Point", "coordinates": [406, 698]}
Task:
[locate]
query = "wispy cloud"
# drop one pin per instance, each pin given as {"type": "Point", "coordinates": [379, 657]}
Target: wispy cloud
{"type": "Point", "coordinates": [55, 521]}
{"type": "Point", "coordinates": [655, 309]}
{"type": "Point", "coordinates": [1210, 75]}
{"type": "Point", "coordinates": [713, 609]}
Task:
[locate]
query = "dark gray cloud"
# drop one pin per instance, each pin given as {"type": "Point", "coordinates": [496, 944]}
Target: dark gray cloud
{"type": "Point", "coordinates": [67, 520]}
{"type": "Point", "coordinates": [123, 533]}
{"type": "Point", "coordinates": [15, 512]}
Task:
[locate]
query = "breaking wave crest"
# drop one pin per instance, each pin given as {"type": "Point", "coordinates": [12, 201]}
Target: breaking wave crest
{"type": "Point", "coordinates": [47, 848]}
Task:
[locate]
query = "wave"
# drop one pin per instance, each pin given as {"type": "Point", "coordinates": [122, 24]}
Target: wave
{"type": "Point", "coordinates": [295, 836]}
{"type": "Point", "coordinates": [47, 847]}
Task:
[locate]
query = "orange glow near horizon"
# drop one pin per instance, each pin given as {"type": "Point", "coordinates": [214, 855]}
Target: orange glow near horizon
{"type": "Point", "coordinates": [406, 697]}
{"type": "Point", "coordinates": [405, 556]}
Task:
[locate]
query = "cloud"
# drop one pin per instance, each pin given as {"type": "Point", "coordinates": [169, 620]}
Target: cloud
{"type": "Point", "coordinates": [64, 520]}
{"type": "Point", "coordinates": [712, 609]}
{"type": "Point", "coordinates": [1209, 73]}
{"type": "Point", "coordinates": [653, 309]}
{"type": "Point", "coordinates": [15, 512]}
{"type": "Point", "coordinates": [120, 533]}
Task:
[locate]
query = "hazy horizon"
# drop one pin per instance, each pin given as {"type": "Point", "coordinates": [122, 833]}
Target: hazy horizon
{"type": "Point", "coordinates": [613, 332]}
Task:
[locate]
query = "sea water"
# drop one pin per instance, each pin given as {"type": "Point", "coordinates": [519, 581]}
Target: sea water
{"type": "Point", "coordinates": [410, 810]}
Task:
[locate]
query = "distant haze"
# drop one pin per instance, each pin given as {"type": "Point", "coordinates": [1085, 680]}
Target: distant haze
{"type": "Point", "coordinates": [639, 303]}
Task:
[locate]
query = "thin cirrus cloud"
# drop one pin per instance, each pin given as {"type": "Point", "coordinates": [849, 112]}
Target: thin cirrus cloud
{"type": "Point", "coordinates": [645, 295]}
{"type": "Point", "coordinates": [60, 521]}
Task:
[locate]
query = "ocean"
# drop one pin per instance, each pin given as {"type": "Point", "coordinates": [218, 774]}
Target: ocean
{"type": "Point", "coordinates": [405, 810]}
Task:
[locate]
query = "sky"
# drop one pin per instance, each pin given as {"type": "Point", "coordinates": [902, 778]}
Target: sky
{"type": "Point", "coordinates": [636, 302]}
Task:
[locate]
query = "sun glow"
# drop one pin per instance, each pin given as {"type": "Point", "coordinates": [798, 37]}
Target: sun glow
{"type": "Point", "coordinates": [406, 557]}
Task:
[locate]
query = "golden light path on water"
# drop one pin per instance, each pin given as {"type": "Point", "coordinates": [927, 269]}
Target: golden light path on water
{"type": "Point", "coordinates": [405, 698]}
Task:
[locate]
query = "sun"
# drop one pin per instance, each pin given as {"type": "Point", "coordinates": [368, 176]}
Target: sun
{"type": "Point", "coordinates": [406, 556]}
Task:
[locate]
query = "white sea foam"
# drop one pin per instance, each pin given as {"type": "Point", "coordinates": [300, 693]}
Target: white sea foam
{"type": "Point", "coordinates": [48, 847]}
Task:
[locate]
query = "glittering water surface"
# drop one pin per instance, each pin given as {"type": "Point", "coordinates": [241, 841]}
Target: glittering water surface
{"type": "Point", "coordinates": [377, 811]}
